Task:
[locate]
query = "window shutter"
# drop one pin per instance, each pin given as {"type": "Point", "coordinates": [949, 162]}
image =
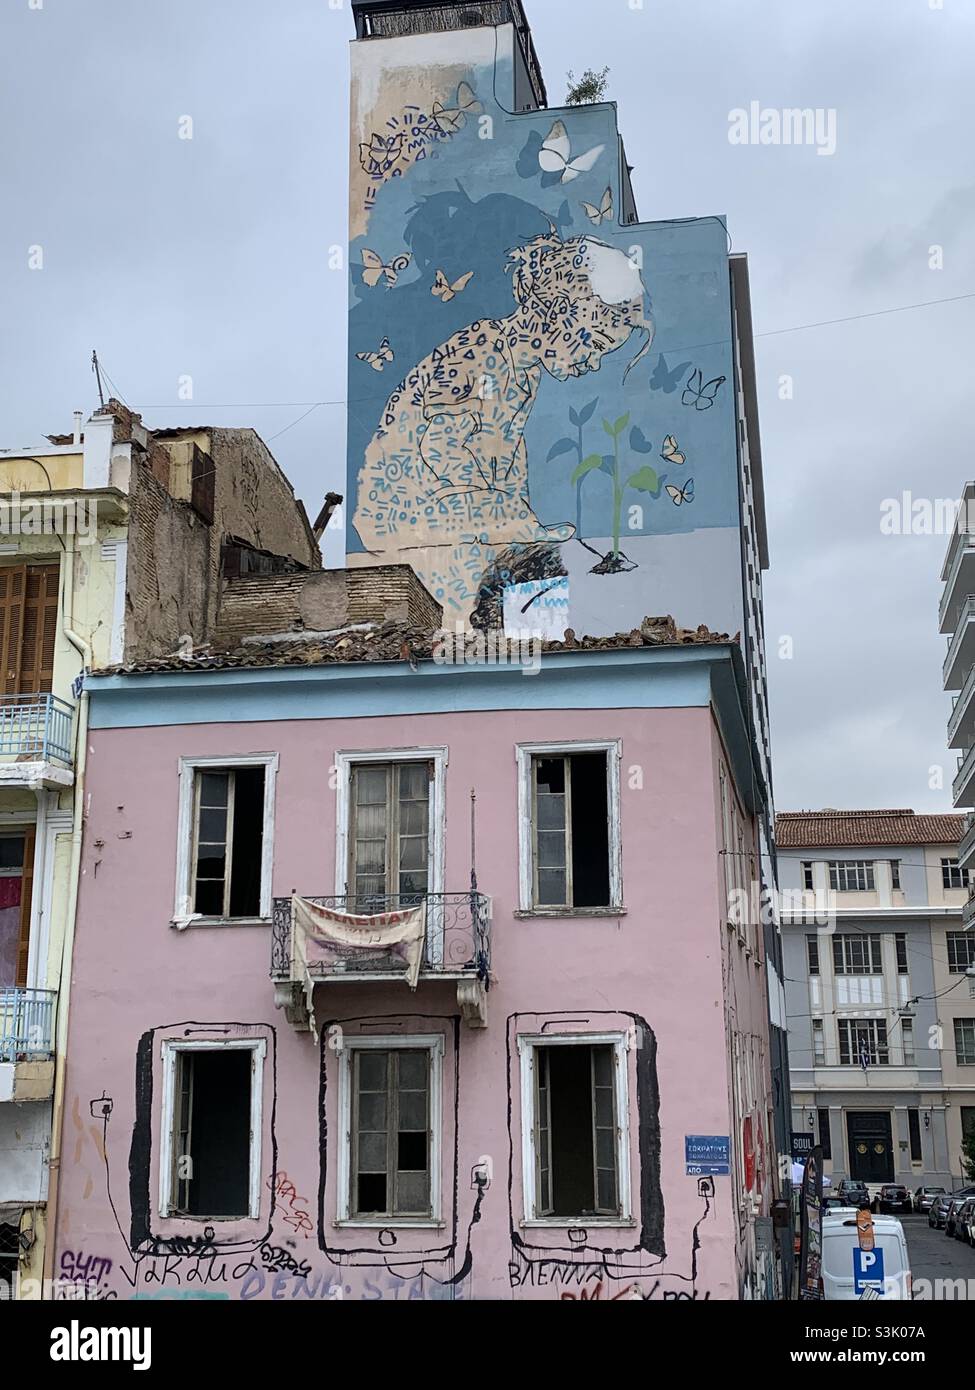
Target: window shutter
{"type": "Point", "coordinates": [26, 895]}
{"type": "Point", "coordinates": [40, 629]}
{"type": "Point", "coordinates": [12, 581]}
{"type": "Point", "coordinates": [202, 485]}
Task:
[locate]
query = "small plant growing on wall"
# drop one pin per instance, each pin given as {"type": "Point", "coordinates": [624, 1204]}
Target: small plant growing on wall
{"type": "Point", "coordinates": [589, 88]}
{"type": "Point", "coordinates": [645, 479]}
{"type": "Point", "coordinates": [565, 445]}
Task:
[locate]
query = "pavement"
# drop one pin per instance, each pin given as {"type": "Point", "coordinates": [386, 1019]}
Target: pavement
{"type": "Point", "coordinates": [936, 1257]}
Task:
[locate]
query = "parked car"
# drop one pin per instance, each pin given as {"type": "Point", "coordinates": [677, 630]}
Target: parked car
{"type": "Point", "coordinates": [938, 1213]}
{"type": "Point", "coordinates": [847, 1272]}
{"type": "Point", "coordinates": [924, 1197]}
{"type": "Point", "coordinates": [955, 1202]}
{"type": "Point", "coordinates": [965, 1221]}
{"type": "Point", "coordinates": [834, 1203]}
{"type": "Point", "coordinates": [893, 1197]}
{"type": "Point", "coordinates": [853, 1192]}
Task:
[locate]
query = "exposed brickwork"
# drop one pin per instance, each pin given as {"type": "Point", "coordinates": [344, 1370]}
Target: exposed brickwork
{"type": "Point", "coordinates": [261, 605]}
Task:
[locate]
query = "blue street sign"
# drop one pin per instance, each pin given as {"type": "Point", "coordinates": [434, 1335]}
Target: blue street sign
{"type": "Point", "coordinates": [707, 1154]}
{"type": "Point", "coordinates": [868, 1269]}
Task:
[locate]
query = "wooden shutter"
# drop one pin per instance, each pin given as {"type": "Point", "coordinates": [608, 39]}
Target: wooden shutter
{"type": "Point", "coordinates": [26, 896]}
{"type": "Point", "coordinates": [40, 629]}
{"type": "Point", "coordinates": [13, 579]}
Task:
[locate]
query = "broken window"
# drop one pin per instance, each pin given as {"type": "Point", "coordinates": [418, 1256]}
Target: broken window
{"type": "Point", "coordinates": [576, 1131]}
{"type": "Point", "coordinates": [211, 1132]}
{"type": "Point", "coordinates": [391, 1132]}
{"type": "Point", "coordinates": [389, 840]}
{"type": "Point", "coordinates": [228, 841]}
{"type": "Point", "coordinates": [570, 830]}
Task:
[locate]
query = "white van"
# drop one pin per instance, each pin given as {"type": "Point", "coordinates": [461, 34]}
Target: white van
{"type": "Point", "coordinates": [848, 1272]}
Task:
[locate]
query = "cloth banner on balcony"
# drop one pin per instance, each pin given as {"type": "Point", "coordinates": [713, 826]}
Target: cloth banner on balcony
{"type": "Point", "coordinates": [321, 934]}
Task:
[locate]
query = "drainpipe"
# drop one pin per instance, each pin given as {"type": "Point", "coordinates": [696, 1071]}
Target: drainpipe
{"type": "Point", "coordinates": [64, 983]}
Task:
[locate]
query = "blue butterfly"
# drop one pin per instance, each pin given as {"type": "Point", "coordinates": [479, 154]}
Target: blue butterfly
{"type": "Point", "coordinates": [665, 380]}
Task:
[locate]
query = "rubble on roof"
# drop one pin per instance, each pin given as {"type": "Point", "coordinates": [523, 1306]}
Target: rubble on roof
{"type": "Point", "coordinates": [393, 641]}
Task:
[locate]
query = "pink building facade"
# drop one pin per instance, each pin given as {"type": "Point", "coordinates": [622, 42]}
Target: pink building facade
{"type": "Point", "coordinates": [528, 1122]}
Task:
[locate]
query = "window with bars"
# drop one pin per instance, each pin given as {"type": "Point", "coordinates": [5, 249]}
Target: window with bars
{"type": "Point", "coordinates": [961, 951]}
{"type": "Point", "coordinates": [965, 1041]}
{"type": "Point", "coordinates": [863, 1041]}
{"type": "Point", "coordinates": [856, 953]}
{"type": "Point", "coordinates": [389, 830]}
{"type": "Point", "coordinates": [952, 876]}
{"type": "Point", "coordinates": [570, 830]}
{"type": "Point", "coordinates": [577, 1132]}
{"type": "Point", "coordinates": [391, 1132]}
{"type": "Point", "coordinates": [228, 822]}
{"type": "Point", "coordinates": [851, 875]}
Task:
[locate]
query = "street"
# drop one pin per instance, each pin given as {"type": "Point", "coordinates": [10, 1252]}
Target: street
{"type": "Point", "coordinates": [936, 1257]}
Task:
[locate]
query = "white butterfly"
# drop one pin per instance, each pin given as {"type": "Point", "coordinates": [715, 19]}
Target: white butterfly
{"type": "Point", "coordinates": [378, 359]}
{"type": "Point", "coordinates": [452, 118]}
{"type": "Point", "coordinates": [553, 157]}
{"type": "Point", "coordinates": [680, 495]}
{"type": "Point", "coordinates": [670, 452]}
{"type": "Point", "coordinates": [374, 268]}
{"type": "Point", "coordinates": [605, 210]}
{"type": "Point", "coordinates": [444, 290]}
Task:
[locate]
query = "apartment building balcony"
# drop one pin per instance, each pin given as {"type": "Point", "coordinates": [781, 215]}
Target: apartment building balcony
{"type": "Point", "coordinates": [961, 721]}
{"type": "Point", "coordinates": [26, 1043]}
{"type": "Point", "coordinates": [966, 846]}
{"type": "Point", "coordinates": [456, 949]}
{"type": "Point", "coordinates": [959, 577]}
{"type": "Point", "coordinates": [963, 787]}
{"type": "Point", "coordinates": [36, 744]}
{"type": "Point", "coordinates": [961, 647]}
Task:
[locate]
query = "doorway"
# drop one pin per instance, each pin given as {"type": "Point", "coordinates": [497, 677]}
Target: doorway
{"type": "Point", "coordinates": [871, 1146]}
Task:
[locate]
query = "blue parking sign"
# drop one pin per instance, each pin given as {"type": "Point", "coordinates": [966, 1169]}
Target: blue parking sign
{"type": "Point", "coordinates": [868, 1269]}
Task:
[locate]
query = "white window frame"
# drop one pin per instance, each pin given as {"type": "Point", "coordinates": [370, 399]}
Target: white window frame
{"type": "Point", "coordinates": [429, 1042]}
{"type": "Point", "coordinates": [186, 831]}
{"type": "Point", "coordinates": [844, 869]}
{"type": "Point", "coordinates": [524, 753]}
{"type": "Point", "coordinates": [170, 1048]}
{"type": "Point", "coordinates": [527, 1043]}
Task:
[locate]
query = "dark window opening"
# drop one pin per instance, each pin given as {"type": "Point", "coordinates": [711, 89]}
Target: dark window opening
{"type": "Point", "coordinates": [822, 1117]}
{"type": "Point", "coordinates": [575, 1132]}
{"type": "Point", "coordinates": [914, 1125]}
{"type": "Point", "coordinates": [211, 1134]}
{"type": "Point", "coordinates": [812, 953]}
{"type": "Point", "coordinates": [570, 831]}
{"type": "Point", "coordinates": [900, 944]}
{"type": "Point", "coordinates": [229, 842]}
{"type": "Point", "coordinates": [807, 875]}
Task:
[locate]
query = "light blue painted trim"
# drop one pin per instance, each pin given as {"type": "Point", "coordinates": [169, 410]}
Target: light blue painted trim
{"type": "Point", "coordinates": [626, 678]}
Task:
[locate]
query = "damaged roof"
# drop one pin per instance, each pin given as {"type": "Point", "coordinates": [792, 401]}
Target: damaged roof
{"type": "Point", "coordinates": [393, 641]}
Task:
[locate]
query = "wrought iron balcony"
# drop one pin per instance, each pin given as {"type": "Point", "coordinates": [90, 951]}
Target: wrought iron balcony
{"type": "Point", "coordinates": [36, 727]}
{"type": "Point", "coordinates": [457, 947]}
{"type": "Point", "coordinates": [26, 1024]}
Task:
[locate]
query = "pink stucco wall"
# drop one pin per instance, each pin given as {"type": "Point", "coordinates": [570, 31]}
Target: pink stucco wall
{"type": "Point", "coordinates": [667, 960]}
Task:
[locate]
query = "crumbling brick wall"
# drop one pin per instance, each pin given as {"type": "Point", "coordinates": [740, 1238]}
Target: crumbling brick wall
{"type": "Point", "coordinates": [266, 605]}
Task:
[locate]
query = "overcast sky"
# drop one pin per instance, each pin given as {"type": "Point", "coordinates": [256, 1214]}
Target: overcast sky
{"type": "Point", "coordinates": [208, 258]}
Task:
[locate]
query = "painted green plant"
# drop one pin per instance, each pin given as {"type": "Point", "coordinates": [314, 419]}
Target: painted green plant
{"type": "Point", "coordinates": [645, 479]}
{"type": "Point", "coordinates": [565, 445]}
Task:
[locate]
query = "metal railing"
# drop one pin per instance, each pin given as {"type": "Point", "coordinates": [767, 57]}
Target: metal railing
{"type": "Point", "coordinates": [26, 1023]}
{"type": "Point", "coordinates": [948, 596]}
{"type": "Point", "coordinates": [956, 638]}
{"type": "Point", "coordinates": [965, 766]}
{"type": "Point", "coordinates": [458, 936]}
{"type": "Point", "coordinates": [36, 726]}
{"type": "Point", "coordinates": [959, 704]}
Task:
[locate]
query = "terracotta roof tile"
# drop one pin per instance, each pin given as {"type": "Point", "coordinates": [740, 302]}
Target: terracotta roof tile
{"type": "Point", "coordinates": [819, 829]}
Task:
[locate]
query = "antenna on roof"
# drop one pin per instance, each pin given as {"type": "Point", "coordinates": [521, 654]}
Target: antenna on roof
{"type": "Point", "coordinates": [98, 376]}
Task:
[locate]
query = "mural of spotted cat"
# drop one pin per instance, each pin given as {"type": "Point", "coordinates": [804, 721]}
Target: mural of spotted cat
{"type": "Point", "coordinates": [445, 475]}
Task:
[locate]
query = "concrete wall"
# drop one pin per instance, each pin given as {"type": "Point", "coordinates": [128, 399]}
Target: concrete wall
{"type": "Point", "coordinates": [662, 965]}
{"type": "Point", "coordinates": [500, 425]}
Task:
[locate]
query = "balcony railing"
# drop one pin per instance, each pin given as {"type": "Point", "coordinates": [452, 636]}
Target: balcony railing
{"type": "Point", "coordinates": [26, 1023]}
{"type": "Point", "coordinates": [458, 938]}
{"type": "Point", "coordinates": [956, 639]}
{"type": "Point", "coordinates": [966, 765]}
{"type": "Point", "coordinates": [37, 727]}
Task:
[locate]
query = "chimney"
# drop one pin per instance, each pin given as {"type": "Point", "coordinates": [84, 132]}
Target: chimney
{"type": "Point", "coordinates": [77, 427]}
{"type": "Point", "coordinates": [332, 500]}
